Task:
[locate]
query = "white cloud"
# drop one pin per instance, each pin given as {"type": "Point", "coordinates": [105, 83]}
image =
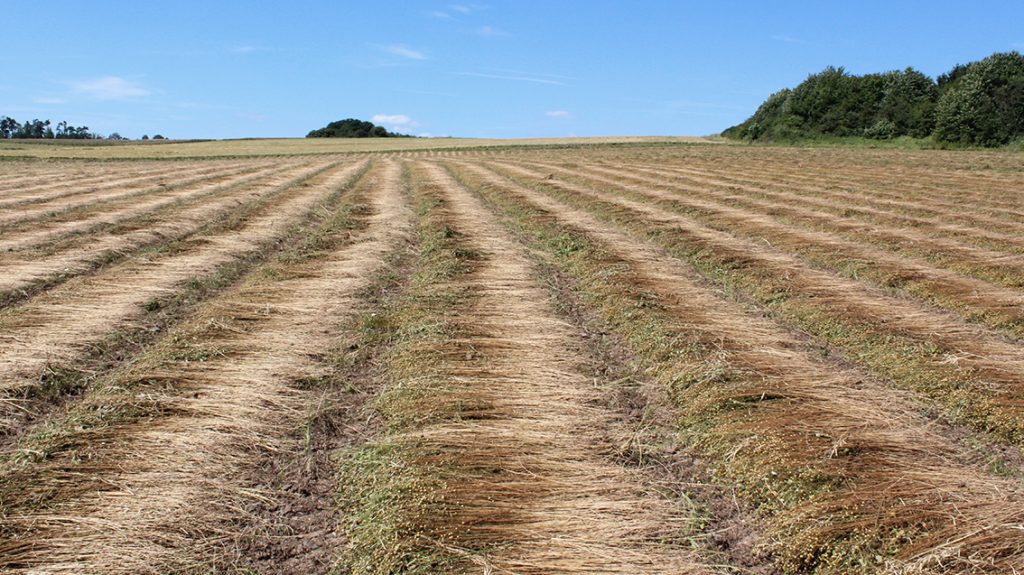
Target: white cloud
{"type": "Point", "coordinates": [558, 114]}
{"type": "Point", "coordinates": [516, 78]}
{"type": "Point", "coordinates": [439, 14]}
{"type": "Point", "coordinates": [490, 32]}
{"type": "Point", "coordinates": [463, 8]}
{"type": "Point", "coordinates": [393, 120]}
{"type": "Point", "coordinates": [404, 51]}
{"type": "Point", "coordinates": [243, 49]}
{"type": "Point", "coordinates": [48, 100]}
{"type": "Point", "coordinates": [110, 88]}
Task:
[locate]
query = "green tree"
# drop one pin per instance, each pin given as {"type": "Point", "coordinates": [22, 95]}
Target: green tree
{"type": "Point", "coordinates": [984, 105]}
{"type": "Point", "coordinates": [908, 103]}
{"type": "Point", "coordinates": [352, 128]}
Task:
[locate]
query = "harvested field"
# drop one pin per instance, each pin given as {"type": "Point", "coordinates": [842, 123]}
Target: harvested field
{"type": "Point", "coordinates": [627, 357]}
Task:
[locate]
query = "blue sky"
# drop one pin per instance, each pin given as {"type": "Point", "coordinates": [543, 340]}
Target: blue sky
{"type": "Point", "coordinates": [230, 69]}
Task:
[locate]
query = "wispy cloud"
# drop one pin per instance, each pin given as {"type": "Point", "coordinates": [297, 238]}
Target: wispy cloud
{"type": "Point", "coordinates": [490, 32]}
{"type": "Point", "coordinates": [558, 114]}
{"type": "Point", "coordinates": [787, 39]}
{"type": "Point", "coordinates": [393, 120]}
{"type": "Point", "coordinates": [247, 49]}
{"type": "Point", "coordinates": [439, 14]}
{"type": "Point", "coordinates": [110, 88]}
{"type": "Point", "coordinates": [512, 72]}
{"type": "Point", "coordinates": [428, 92]}
{"type": "Point", "coordinates": [513, 78]}
{"type": "Point", "coordinates": [49, 100]}
{"type": "Point", "coordinates": [404, 51]}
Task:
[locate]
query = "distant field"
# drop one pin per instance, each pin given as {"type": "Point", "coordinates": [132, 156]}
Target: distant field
{"type": "Point", "coordinates": [283, 146]}
{"type": "Point", "coordinates": [532, 357]}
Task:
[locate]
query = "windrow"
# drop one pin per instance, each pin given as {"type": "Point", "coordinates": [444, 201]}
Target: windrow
{"type": "Point", "coordinates": [60, 327]}
{"type": "Point", "coordinates": [71, 177]}
{"type": "Point", "coordinates": [154, 471]}
{"type": "Point", "coordinates": [976, 300]}
{"type": "Point", "coordinates": [89, 216]}
{"type": "Point", "coordinates": [67, 196]}
{"type": "Point", "coordinates": [852, 477]}
{"type": "Point", "coordinates": [998, 266]}
{"type": "Point", "coordinates": [497, 456]}
{"type": "Point", "coordinates": [974, 374]}
{"type": "Point", "coordinates": [48, 255]}
{"type": "Point", "coordinates": [923, 212]}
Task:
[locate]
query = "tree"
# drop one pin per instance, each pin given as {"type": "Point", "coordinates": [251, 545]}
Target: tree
{"type": "Point", "coordinates": [984, 105]}
{"type": "Point", "coordinates": [908, 103]}
{"type": "Point", "coordinates": [979, 103]}
{"type": "Point", "coordinates": [9, 127]}
{"type": "Point", "coordinates": [159, 137]}
{"type": "Point", "coordinates": [352, 128]}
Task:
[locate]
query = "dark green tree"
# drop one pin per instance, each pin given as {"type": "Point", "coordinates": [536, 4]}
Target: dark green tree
{"type": "Point", "coordinates": [352, 128]}
{"type": "Point", "coordinates": [9, 127]}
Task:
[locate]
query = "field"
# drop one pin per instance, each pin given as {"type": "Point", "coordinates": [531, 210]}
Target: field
{"type": "Point", "coordinates": [619, 356]}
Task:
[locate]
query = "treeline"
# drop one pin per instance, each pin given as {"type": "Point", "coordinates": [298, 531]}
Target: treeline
{"type": "Point", "coordinates": [353, 128]}
{"type": "Point", "coordinates": [980, 104]}
{"type": "Point", "coordinates": [42, 129]}
{"type": "Point", "coordinates": [46, 130]}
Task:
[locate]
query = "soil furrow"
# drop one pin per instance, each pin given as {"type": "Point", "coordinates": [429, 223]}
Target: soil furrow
{"type": "Point", "coordinates": [852, 477]}
{"type": "Point", "coordinates": [56, 328]}
{"type": "Point", "coordinates": [156, 492]}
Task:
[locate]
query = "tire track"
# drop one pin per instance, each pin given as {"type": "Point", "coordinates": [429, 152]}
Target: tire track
{"type": "Point", "coordinates": [155, 493]}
